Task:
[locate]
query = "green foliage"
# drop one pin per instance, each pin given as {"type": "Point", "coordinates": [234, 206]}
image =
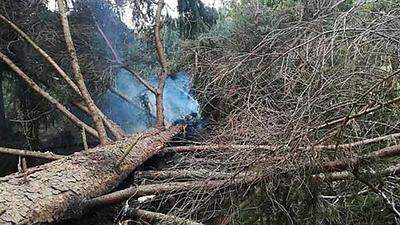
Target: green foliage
{"type": "Point", "coordinates": [195, 18]}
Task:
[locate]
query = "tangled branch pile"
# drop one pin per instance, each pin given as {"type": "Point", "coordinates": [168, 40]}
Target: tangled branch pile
{"type": "Point", "coordinates": [279, 75]}
{"type": "Point", "coordinates": [315, 81]}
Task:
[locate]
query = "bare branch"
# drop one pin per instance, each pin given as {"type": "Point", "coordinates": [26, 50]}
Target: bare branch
{"type": "Point", "coordinates": [34, 154]}
{"type": "Point", "coordinates": [142, 190]}
{"type": "Point", "coordinates": [136, 74]}
{"type": "Point", "coordinates": [78, 74]}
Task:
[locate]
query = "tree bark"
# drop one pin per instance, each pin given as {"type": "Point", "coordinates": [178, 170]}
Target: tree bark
{"type": "Point", "coordinates": [164, 65]}
{"type": "Point", "coordinates": [56, 190]}
{"type": "Point", "coordinates": [98, 122]}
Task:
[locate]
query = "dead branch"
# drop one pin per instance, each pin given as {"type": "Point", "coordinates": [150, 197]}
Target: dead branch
{"type": "Point", "coordinates": [345, 175]}
{"type": "Point", "coordinates": [119, 61]}
{"type": "Point", "coordinates": [34, 154]}
{"type": "Point", "coordinates": [157, 38]}
{"type": "Point", "coordinates": [359, 143]}
{"type": "Point", "coordinates": [189, 175]}
{"type": "Point", "coordinates": [122, 96]}
{"type": "Point", "coordinates": [84, 140]}
{"type": "Point", "coordinates": [361, 113]}
{"type": "Point", "coordinates": [98, 122]}
{"type": "Point", "coordinates": [108, 42]}
{"type": "Point", "coordinates": [136, 74]}
{"type": "Point", "coordinates": [211, 147]}
{"type": "Point", "coordinates": [151, 189]}
{"type": "Point", "coordinates": [59, 70]}
{"type": "Point", "coordinates": [340, 165]}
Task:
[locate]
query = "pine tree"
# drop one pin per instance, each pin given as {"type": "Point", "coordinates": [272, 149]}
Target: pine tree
{"type": "Point", "coordinates": [195, 17]}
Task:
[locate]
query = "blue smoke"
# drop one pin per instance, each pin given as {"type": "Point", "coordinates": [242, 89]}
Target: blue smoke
{"type": "Point", "coordinates": [140, 112]}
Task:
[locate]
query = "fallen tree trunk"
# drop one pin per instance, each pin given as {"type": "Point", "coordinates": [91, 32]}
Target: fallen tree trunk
{"type": "Point", "coordinates": [56, 190]}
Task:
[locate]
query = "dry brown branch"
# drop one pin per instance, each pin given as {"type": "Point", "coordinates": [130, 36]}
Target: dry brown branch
{"type": "Point", "coordinates": [345, 175]}
{"type": "Point", "coordinates": [127, 99]}
{"type": "Point", "coordinates": [157, 38]}
{"type": "Point", "coordinates": [98, 122]}
{"type": "Point", "coordinates": [340, 165]}
{"type": "Point", "coordinates": [360, 143]}
{"type": "Point", "coordinates": [49, 59]}
{"type": "Point", "coordinates": [136, 139]}
{"type": "Point", "coordinates": [219, 147]}
{"type": "Point", "coordinates": [213, 147]}
{"type": "Point", "coordinates": [108, 42]}
{"type": "Point", "coordinates": [361, 113]}
{"type": "Point", "coordinates": [151, 189]}
{"type": "Point", "coordinates": [189, 175]}
{"type": "Point", "coordinates": [84, 140]}
{"type": "Point", "coordinates": [34, 154]}
{"type": "Point", "coordinates": [132, 71]}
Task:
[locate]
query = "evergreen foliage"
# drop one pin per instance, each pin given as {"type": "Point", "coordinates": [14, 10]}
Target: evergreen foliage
{"type": "Point", "coordinates": [195, 18]}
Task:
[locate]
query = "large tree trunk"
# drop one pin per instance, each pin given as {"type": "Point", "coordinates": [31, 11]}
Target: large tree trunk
{"type": "Point", "coordinates": [56, 190]}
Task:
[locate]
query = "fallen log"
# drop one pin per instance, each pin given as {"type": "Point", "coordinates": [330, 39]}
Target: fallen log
{"type": "Point", "coordinates": [56, 190]}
